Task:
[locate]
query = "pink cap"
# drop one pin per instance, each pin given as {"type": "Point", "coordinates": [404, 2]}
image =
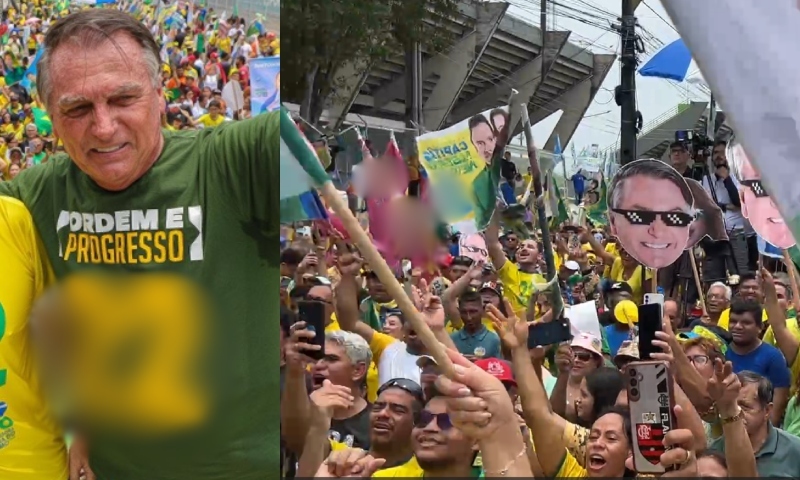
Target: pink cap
{"type": "Point", "coordinates": [589, 342]}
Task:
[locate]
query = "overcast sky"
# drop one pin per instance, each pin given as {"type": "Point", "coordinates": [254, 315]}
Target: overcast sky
{"type": "Point", "coordinates": [654, 96]}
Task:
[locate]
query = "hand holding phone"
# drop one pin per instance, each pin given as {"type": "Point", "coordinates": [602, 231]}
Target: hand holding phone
{"type": "Point", "coordinates": [301, 347]}
{"type": "Point", "coordinates": [651, 401]}
{"type": "Point", "coordinates": [549, 333]}
{"type": "Point", "coordinates": [312, 315]}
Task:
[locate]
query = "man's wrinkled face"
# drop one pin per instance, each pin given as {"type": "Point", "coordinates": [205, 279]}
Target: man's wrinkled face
{"type": "Point", "coordinates": [717, 299]}
{"type": "Point", "coordinates": [758, 207]}
{"type": "Point", "coordinates": [106, 110]}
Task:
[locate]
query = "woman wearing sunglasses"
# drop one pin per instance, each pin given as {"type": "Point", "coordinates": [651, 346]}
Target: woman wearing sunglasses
{"type": "Point", "coordinates": [575, 362]}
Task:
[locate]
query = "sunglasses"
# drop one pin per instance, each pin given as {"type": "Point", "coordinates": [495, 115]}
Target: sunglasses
{"type": "Point", "coordinates": [582, 356]}
{"type": "Point", "coordinates": [409, 386]}
{"type": "Point", "coordinates": [756, 187]}
{"type": "Point", "coordinates": [425, 418]}
{"type": "Point", "coordinates": [647, 217]}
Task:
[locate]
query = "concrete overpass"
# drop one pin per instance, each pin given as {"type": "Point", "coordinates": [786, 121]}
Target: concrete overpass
{"type": "Point", "coordinates": [493, 52]}
{"type": "Point", "coordinates": [657, 134]}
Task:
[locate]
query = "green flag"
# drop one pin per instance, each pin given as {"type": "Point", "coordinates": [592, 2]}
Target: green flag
{"type": "Point", "coordinates": [562, 215]}
{"type": "Point", "coordinates": [200, 43]}
{"type": "Point", "coordinates": [235, 9]}
{"type": "Point", "coordinates": [596, 205]}
{"type": "Point", "coordinates": [42, 121]}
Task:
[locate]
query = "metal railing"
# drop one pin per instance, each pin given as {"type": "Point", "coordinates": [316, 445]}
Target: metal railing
{"type": "Point", "coordinates": [655, 123]}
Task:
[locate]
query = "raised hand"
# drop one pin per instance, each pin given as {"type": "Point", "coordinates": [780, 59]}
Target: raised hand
{"type": "Point", "coordinates": [512, 330]}
{"type": "Point", "coordinates": [477, 402]}
{"type": "Point", "coordinates": [349, 463]}
{"type": "Point", "coordinates": [723, 388]}
{"type": "Point", "coordinates": [329, 397]}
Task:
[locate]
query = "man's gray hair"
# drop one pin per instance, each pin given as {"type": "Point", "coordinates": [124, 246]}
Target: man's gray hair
{"type": "Point", "coordinates": [649, 168]}
{"type": "Point", "coordinates": [89, 29]}
{"type": "Point", "coordinates": [355, 347]}
{"type": "Point", "coordinates": [727, 289]}
{"type": "Point", "coordinates": [764, 389]}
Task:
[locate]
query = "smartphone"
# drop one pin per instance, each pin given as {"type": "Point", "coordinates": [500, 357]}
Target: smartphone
{"type": "Point", "coordinates": [651, 402]}
{"type": "Point", "coordinates": [550, 333]}
{"type": "Point", "coordinates": [650, 318]}
{"type": "Point", "coordinates": [313, 313]}
{"type": "Point", "coordinates": [650, 298]}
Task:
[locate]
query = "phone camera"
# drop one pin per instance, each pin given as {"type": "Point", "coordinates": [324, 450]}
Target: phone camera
{"type": "Point", "coordinates": [311, 328]}
{"type": "Point", "coordinates": [635, 392]}
{"type": "Point", "coordinates": [634, 382]}
{"type": "Point", "coordinates": [632, 372]}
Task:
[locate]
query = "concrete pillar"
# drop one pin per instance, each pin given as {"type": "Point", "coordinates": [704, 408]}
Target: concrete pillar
{"type": "Point", "coordinates": [455, 68]}
{"type": "Point", "coordinates": [577, 100]}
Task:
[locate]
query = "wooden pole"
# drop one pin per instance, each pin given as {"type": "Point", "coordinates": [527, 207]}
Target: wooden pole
{"type": "Point", "coordinates": [387, 277]}
{"type": "Point", "coordinates": [698, 283]}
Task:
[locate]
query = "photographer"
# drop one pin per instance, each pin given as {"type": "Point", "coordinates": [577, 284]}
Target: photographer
{"type": "Point", "coordinates": [724, 189]}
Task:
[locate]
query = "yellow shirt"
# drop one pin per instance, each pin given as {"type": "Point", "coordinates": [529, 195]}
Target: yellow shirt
{"type": "Point", "coordinates": [616, 274]}
{"type": "Point", "coordinates": [725, 318]}
{"type": "Point", "coordinates": [410, 469]}
{"type": "Point", "coordinates": [570, 468]}
{"type": "Point", "coordinates": [518, 285]}
{"type": "Point", "coordinates": [31, 443]}
{"type": "Point", "coordinates": [372, 373]}
{"type": "Point", "coordinates": [209, 122]}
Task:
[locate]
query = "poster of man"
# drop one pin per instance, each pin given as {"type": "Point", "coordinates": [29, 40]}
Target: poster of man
{"type": "Point", "coordinates": [757, 204]}
{"type": "Point", "coordinates": [463, 164]}
{"type": "Point", "coordinates": [650, 210]}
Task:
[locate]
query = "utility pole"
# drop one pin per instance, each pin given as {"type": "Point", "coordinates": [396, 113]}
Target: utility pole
{"type": "Point", "coordinates": [626, 92]}
{"type": "Point", "coordinates": [414, 86]}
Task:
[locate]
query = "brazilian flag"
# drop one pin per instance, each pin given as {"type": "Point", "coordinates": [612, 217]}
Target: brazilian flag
{"type": "Point", "coordinates": [42, 121]}
{"type": "Point", "coordinates": [173, 94]}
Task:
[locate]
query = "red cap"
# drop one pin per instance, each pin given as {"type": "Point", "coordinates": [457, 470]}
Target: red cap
{"type": "Point", "coordinates": [499, 368]}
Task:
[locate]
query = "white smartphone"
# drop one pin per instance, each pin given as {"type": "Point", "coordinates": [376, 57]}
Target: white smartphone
{"type": "Point", "coordinates": [650, 298]}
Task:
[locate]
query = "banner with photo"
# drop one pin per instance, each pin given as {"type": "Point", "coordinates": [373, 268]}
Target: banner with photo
{"type": "Point", "coordinates": [265, 84]}
{"type": "Point", "coordinates": [463, 166]}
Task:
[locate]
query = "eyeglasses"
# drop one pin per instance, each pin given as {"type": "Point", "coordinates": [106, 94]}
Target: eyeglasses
{"type": "Point", "coordinates": [425, 418]}
{"type": "Point", "coordinates": [647, 217]}
{"type": "Point", "coordinates": [756, 187]}
{"type": "Point", "coordinates": [409, 386]}
{"type": "Point", "coordinates": [582, 356]}
{"type": "Point", "coordinates": [699, 360]}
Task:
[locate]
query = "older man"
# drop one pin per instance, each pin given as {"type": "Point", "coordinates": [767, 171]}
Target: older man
{"type": "Point", "coordinates": [130, 197]}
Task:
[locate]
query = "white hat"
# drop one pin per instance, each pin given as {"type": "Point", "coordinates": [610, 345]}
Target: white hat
{"type": "Point", "coordinates": [572, 265]}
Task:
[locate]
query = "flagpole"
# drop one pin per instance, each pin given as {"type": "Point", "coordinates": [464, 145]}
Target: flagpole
{"type": "Point", "coordinates": [536, 180]}
{"type": "Point", "coordinates": [387, 277]}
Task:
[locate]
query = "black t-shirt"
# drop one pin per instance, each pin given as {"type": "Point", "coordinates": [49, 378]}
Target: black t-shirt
{"type": "Point", "coordinates": [353, 431]}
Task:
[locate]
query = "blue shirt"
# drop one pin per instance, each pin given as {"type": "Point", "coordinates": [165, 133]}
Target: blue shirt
{"type": "Point", "coordinates": [766, 361]}
{"type": "Point", "coordinates": [615, 336]}
{"type": "Point", "coordinates": [482, 344]}
{"type": "Point", "coordinates": [577, 182]}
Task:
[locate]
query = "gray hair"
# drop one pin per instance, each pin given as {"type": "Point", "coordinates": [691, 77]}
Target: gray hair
{"type": "Point", "coordinates": [764, 390]}
{"type": "Point", "coordinates": [89, 29]}
{"type": "Point", "coordinates": [649, 168]}
{"type": "Point", "coordinates": [728, 292]}
{"type": "Point", "coordinates": [355, 347]}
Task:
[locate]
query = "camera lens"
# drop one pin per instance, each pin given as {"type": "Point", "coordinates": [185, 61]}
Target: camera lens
{"type": "Point", "coordinates": [634, 392]}
{"type": "Point", "coordinates": [632, 372]}
{"type": "Point", "coordinates": [634, 382]}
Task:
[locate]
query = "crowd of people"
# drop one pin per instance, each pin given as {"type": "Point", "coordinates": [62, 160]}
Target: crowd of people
{"type": "Point", "coordinates": [376, 403]}
{"type": "Point", "coordinates": [202, 51]}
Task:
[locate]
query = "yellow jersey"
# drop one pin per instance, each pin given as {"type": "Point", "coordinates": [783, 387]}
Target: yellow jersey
{"type": "Point", "coordinates": [725, 319]}
{"type": "Point", "coordinates": [518, 285]}
{"type": "Point", "coordinates": [410, 469]}
{"type": "Point", "coordinates": [31, 443]}
{"type": "Point", "coordinates": [209, 122]}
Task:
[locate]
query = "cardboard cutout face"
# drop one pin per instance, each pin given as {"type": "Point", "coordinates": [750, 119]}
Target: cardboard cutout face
{"type": "Point", "coordinates": [651, 209]}
{"type": "Point", "coordinates": [710, 220]}
{"type": "Point", "coordinates": [757, 205]}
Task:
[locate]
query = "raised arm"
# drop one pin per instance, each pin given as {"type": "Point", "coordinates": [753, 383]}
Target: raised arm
{"type": "Point", "coordinates": [547, 428]}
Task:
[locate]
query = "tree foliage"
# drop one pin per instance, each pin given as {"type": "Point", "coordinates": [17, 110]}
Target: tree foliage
{"type": "Point", "coordinates": [320, 36]}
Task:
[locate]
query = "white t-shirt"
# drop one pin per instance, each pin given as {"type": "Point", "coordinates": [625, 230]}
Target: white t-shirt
{"type": "Point", "coordinates": [396, 362]}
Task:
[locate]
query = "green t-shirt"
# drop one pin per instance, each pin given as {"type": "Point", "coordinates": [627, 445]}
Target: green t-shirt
{"type": "Point", "coordinates": [207, 209]}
